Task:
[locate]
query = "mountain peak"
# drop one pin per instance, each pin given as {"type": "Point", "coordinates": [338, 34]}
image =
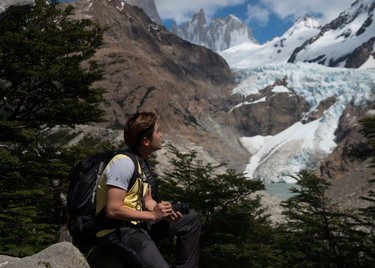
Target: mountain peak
{"type": "Point", "coordinates": [148, 7]}
{"type": "Point", "coordinates": [347, 41]}
{"type": "Point", "coordinates": [233, 17]}
{"type": "Point", "coordinates": [304, 23]}
{"type": "Point", "coordinates": [218, 35]}
{"type": "Point", "coordinates": [200, 18]}
{"type": "Point", "coordinates": [275, 51]}
{"type": "Point", "coordinates": [308, 21]}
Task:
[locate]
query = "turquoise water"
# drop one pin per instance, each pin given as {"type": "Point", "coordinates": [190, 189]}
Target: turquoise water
{"type": "Point", "coordinates": [281, 190]}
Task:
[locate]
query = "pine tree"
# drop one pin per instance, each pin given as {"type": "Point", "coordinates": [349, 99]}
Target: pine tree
{"type": "Point", "coordinates": [316, 233]}
{"type": "Point", "coordinates": [41, 57]}
{"type": "Point", "coordinates": [368, 213]}
{"type": "Point", "coordinates": [46, 79]}
{"type": "Point", "coordinates": [235, 230]}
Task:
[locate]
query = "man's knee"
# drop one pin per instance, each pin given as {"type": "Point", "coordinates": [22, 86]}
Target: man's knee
{"type": "Point", "coordinates": [193, 218]}
{"type": "Point", "coordinates": [151, 256]}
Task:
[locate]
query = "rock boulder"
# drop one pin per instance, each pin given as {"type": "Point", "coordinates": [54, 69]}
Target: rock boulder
{"type": "Point", "coordinates": [60, 255]}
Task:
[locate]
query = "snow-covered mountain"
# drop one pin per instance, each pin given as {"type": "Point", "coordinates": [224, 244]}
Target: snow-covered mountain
{"type": "Point", "coordinates": [278, 50]}
{"type": "Point", "coordinates": [305, 144]}
{"type": "Point", "coordinates": [217, 35]}
{"type": "Point", "coordinates": [348, 41]}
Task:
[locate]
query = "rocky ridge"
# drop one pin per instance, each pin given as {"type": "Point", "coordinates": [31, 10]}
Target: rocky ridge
{"type": "Point", "coordinates": [148, 7]}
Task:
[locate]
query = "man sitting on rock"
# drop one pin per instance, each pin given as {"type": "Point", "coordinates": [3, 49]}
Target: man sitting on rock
{"type": "Point", "coordinates": [144, 219]}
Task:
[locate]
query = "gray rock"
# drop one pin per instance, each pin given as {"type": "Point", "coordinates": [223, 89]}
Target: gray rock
{"type": "Point", "coordinates": [60, 255]}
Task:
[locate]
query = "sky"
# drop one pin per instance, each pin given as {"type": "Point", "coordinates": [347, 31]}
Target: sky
{"type": "Point", "coordinates": [267, 18]}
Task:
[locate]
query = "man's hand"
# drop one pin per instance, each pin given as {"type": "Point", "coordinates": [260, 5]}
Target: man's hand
{"type": "Point", "coordinates": [174, 217]}
{"type": "Point", "coordinates": [163, 211]}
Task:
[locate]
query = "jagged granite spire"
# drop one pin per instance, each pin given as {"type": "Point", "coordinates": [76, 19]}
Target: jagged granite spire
{"type": "Point", "coordinates": [219, 35]}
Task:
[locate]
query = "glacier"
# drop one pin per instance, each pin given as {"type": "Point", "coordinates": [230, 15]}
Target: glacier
{"type": "Point", "coordinates": [302, 146]}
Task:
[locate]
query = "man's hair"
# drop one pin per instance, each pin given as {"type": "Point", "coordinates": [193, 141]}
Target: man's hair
{"type": "Point", "coordinates": [139, 126]}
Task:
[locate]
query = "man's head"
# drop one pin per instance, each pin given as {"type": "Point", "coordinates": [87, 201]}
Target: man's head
{"type": "Point", "coordinates": [142, 130]}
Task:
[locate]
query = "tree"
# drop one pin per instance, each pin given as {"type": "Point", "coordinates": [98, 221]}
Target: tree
{"type": "Point", "coordinates": [235, 231]}
{"type": "Point", "coordinates": [41, 57]}
{"type": "Point", "coordinates": [316, 233]}
{"type": "Point", "coordinates": [368, 213]}
{"type": "Point", "coordinates": [46, 78]}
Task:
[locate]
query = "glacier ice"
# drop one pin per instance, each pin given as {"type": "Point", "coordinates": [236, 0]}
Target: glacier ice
{"type": "Point", "coordinates": [302, 146]}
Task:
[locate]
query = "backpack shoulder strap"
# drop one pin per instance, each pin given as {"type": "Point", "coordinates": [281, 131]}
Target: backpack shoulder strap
{"type": "Point", "coordinates": [149, 176]}
{"type": "Point", "coordinates": [136, 163]}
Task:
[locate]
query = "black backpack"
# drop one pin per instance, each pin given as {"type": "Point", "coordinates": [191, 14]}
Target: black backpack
{"type": "Point", "coordinates": [81, 199]}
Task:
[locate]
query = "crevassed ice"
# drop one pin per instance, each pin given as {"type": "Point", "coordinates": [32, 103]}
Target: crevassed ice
{"type": "Point", "coordinates": [302, 146]}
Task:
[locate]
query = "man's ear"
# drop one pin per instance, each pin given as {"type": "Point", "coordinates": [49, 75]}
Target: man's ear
{"type": "Point", "coordinates": [146, 141]}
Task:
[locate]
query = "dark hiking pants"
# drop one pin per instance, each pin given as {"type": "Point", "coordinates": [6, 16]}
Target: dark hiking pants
{"type": "Point", "coordinates": [136, 247]}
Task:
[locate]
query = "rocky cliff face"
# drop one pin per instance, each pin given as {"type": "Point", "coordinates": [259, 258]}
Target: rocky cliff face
{"type": "Point", "coordinates": [217, 35]}
{"type": "Point", "coordinates": [349, 176]}
{"type": "Point", "coordinates": [270, 112]}
{"type": "Point", "coordinates": [148, 68]}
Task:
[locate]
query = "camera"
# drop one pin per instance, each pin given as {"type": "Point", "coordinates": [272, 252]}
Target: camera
{"type": "Point", "coordinates": [183, 208]}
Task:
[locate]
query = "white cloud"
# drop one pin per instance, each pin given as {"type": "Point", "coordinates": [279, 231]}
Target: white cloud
{"type": "Point", "coordinates": [182, 11]}
{"type": "Point", "coordinates": [258, 10]}
{"type": "Point", "coordinates": [327, 10]}
{"type": "Point", "coordinates": [258, 14]}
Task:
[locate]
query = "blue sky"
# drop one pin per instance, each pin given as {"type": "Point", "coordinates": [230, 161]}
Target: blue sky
{"type": "Point", "coordinates": [267, 18]}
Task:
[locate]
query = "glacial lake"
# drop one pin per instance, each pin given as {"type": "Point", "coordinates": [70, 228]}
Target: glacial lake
{"type": "Point", "coordinates": [281, 190]}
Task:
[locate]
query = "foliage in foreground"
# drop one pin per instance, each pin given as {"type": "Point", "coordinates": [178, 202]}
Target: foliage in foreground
{"type": "Point", "coordinates": [317, 234]}
{"type": "Point", "coordinates": [235, 231]}
{"type": "Point", "coordinates": [46, 77]}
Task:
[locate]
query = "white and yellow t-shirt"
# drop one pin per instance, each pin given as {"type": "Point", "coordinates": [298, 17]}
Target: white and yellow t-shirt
{"type": "Point", "coordinates": [119, 172]}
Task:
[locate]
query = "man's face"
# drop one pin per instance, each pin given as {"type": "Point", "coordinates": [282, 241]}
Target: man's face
{"type": "Point", "coordinates": [156, 142]}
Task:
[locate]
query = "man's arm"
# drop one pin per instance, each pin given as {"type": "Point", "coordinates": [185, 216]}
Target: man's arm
{"type": "Point", "coordinates": [150, 203]}
{"type": "Point", "coordinates": [115, 207]}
